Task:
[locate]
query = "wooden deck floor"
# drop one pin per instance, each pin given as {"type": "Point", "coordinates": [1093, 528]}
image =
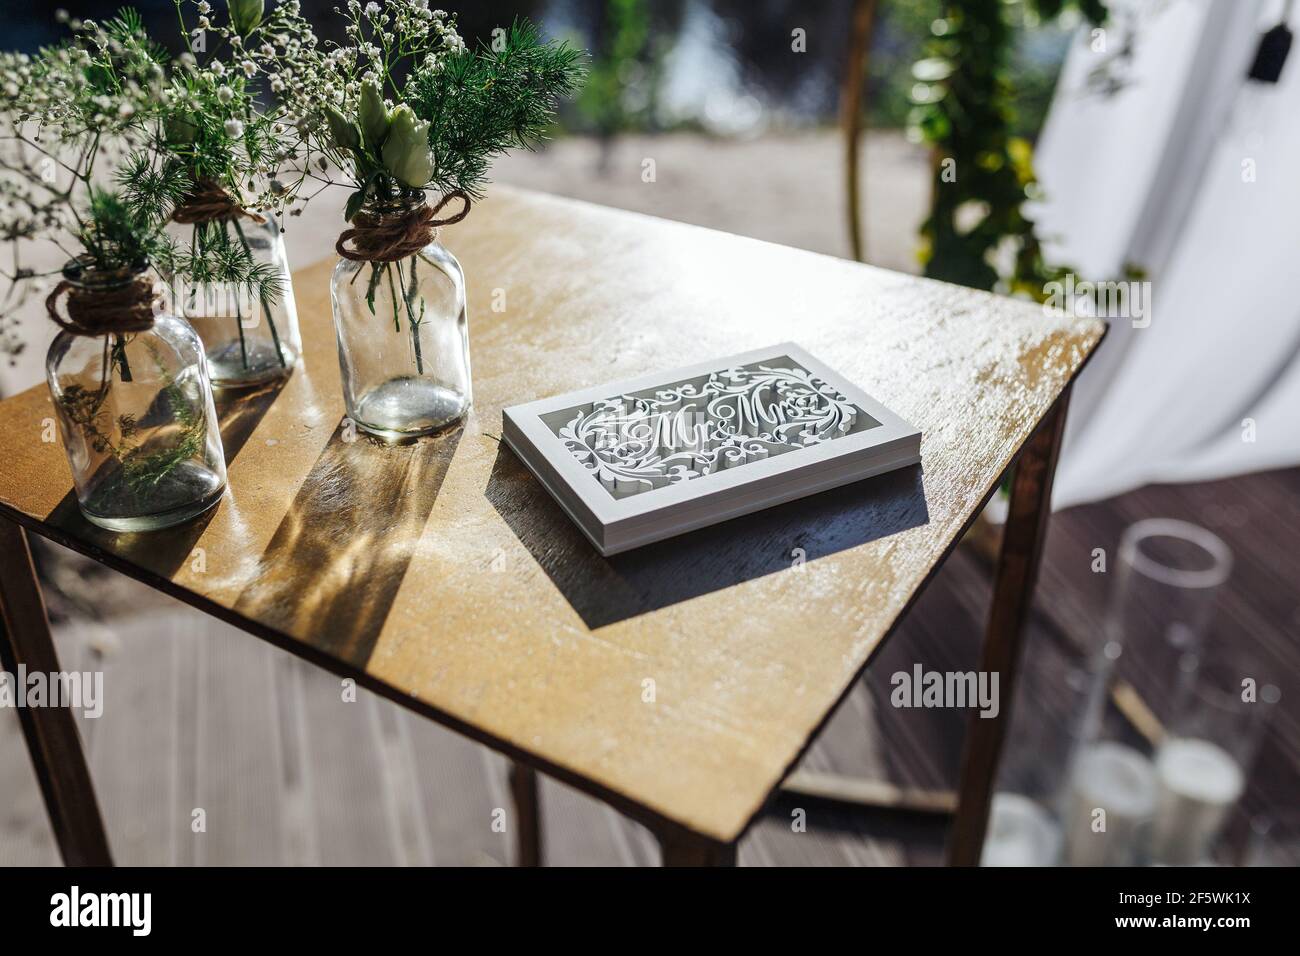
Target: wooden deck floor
{"type": "Point", "coordinates": [199, 716]}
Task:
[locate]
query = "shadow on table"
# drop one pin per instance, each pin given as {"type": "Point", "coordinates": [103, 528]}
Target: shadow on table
{"type": "Point", "coordinates": [338, 557]}
{"type": "Point", "coordinates": [238, 413]}
{"type": "Point", "coordinates": [919, 839]}
{"type": "Point", "coordinates": [606, 590]}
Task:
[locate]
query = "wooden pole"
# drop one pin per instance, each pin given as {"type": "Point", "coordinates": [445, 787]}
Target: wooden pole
{"type": "Point", "coordinates": [852, 104]}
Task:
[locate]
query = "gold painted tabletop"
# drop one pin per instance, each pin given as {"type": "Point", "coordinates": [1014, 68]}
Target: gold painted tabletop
{"type": "Point", "coordinates": [679, 681]}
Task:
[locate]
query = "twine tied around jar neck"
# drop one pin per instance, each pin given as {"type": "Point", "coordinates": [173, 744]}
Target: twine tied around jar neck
{"type": "Point", "coordinates": [380, 237]}
{"type": "Point", "coordinates": [86, 310]}
{"type": "Point", "coordinates": [208, 201]}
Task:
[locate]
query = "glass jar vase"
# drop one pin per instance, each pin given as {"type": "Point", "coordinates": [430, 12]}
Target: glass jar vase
{"type": "Point", "coordinates": [133, 403]}
{"type": "Point", "coordinates": [402, 335]}
{"type": "Point", "coordinates": [249, 332]}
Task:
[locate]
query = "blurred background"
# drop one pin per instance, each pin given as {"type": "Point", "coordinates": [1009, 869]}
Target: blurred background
{"type": "Point", "coordinates": [1018, 146]}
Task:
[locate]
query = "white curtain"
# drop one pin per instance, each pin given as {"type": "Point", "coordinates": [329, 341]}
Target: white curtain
{"type": "Point", "coordinates": [1187, 170]}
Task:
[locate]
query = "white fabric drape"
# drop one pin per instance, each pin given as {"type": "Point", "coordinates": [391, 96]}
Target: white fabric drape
{"type": "Point", "coordinates": [1187, 172]}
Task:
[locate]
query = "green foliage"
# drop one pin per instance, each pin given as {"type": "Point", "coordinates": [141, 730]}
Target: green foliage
{"type": "Point", "coordinates": [118, 233]}
{"type": "Point", "coordinates": [219, 254]}
{"type": "Point", "coordinates": [170, 124]}
{"type": "Point", "coordinates": [483, 103]}
{"type": "Point", "coordinates": [983, 174]}
{"type": "Point", "coordinates": [901, 36]}
{"type": "Point", "coordinates": [211, 113]}
{"type": "Point", "coordinates": [128, 53]}
{"type": "Point", "coordinates": [458, 108]}
{"type": "Point", "coordinates": [604, 99]}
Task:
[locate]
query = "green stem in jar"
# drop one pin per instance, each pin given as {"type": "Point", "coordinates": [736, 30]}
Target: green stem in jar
{"type": "Point", "coordinates": [239, 314]}
{"type": "Point", "coordinates": [119, 358]}
{"type": "Point", "coordinates": [392, 291]}
{"type": "Point", "coordinates": [412, 320]}
{"type": "Point", "coordinates": [266, 307]}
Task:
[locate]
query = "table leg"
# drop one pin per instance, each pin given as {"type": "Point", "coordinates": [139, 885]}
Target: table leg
{"type": "Point", "coordinates": [528, 815]}
{"type": "Point", "coordinates": [679, 850]}
{"type": "Point", "coordinates": [51, 732]}
{"type": "Point", "coordinates": [1013, 591]}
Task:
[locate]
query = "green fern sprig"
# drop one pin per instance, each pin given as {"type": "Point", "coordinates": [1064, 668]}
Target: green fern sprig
{"type": "Point", "coordinates": [116, 234]}
{"type": "Point", "coordinates": [215, 256]}
{"type": "Point", "coordinates": [482, 103]}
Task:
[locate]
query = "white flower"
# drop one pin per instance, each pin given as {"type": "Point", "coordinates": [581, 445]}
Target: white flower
{"type": "Point", "coordinates": [249, 68]}
{"type": "Point", "coordinates": [218, 68]}
{"type": "Point", "coordinates": [204, 6]}
{"type": "Point", "coordinates": [234, 129]}
{"type": "Point", "coordinates": [225, 94]}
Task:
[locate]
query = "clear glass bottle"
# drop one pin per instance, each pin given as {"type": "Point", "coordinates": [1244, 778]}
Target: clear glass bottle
{"type": "Point", "coordinates": [249, 339]}
{"type": "Point", "coordinates": [136, 416]}
{"type": "Point", "coordinates": [403, 338]}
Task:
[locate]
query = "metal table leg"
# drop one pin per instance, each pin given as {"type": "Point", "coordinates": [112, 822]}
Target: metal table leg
{"type": "Point", "coordinates": [528, 825]}
{"type": "Point", "coordinates": [1013, 592]}
{"type": "Point", "coordinates": [51, 732]}
{"type": "Point", "coordinates": [681, 850]}
{"type": "Point", "coordinates": [1014, 579]}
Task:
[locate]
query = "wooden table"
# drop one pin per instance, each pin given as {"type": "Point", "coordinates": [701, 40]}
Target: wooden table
{"type": "Point", "coordinates": [680, 682]}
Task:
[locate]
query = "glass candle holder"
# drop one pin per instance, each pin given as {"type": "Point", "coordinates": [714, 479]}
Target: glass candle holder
{"type": "Point", "coordinates": [1205, 755]}
{"type": "Point", "coordinates": [1162, 603]}
{"type": "Point", "coordinates": [1109, 805]}
{"type": "Point", "coordinates": [403, 337]}
{"type": "Point", "coordinates": [135, 413]}
{"type": "Point", "coordinates": [1109, 799]}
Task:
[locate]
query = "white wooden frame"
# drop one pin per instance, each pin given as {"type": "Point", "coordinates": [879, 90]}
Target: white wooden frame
{"type": "Point", "coordinates": [618, 524]}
